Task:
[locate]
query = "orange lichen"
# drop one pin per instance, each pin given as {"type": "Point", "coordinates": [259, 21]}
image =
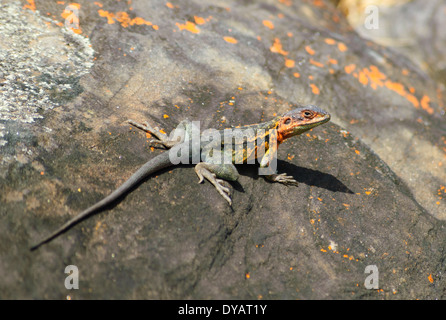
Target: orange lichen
{"type": "Point", "coordinates": [277, 47]}
{"type": "Point", "coordinates": [105, 14]}
{"type": "Point", "coordinates": [431, 280]}
{"type": "Point", "coordinates": [309, 50]}
{"type": "Point", "coordinates": [230, 39]}
{"type": "Point", "coordinates": [189, 26]}
{"type": "Point", "coordinates": [286, 2]}
{"type": "Point", "coordinates": [425, 104]}
{"type": "Point", "coordinates": [268, 24]}
{"type": "Point", "coordinates": [342, 47]}
{"type": "Point", "coordinates": [314, 88]}
{"type": "Point", "coordinates": [289, 63]}
{"type": "Point", "coordinates": [31, 5]}
{"type": "Point", "coordinates": [349, 68]}
{"type": "Point", "coordinates": [124, 19]}
{"type": "Point", "coordinates": [199, 20]}
{"type": "Point", "coordinates": [330, 41]}
{"type": "Point", "coordinates": [316, 63]}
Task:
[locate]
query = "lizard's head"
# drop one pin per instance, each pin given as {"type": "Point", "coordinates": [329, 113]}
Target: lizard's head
{"type": "Point", "coordinates": [300, 120]}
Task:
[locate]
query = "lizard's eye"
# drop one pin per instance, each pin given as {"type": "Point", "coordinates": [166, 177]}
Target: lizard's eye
{"type": "Point", "coordinates": [308, 114]}
{"type": "Point", "coordinates": [287, 121]}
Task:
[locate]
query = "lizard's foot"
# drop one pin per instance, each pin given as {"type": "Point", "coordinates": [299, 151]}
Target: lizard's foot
{"type": "Point", "coordinates": [203, 172]}
{"type": "Point", "coordinates": [282, 178]}
{"type": "Point", "coordinates": [162, 138]}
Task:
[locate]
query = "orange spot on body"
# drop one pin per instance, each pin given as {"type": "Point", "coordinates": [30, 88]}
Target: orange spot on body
{"type": "Point", "coordinates": [296, 74]}
{"type": "Point", "coordinates": [169, 5]}
{"type": "Point", "coordinates": [330, 41]}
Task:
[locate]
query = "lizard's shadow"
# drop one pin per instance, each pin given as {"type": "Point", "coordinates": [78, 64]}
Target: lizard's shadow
{"type": "Point", "coordinates": [300, 174]}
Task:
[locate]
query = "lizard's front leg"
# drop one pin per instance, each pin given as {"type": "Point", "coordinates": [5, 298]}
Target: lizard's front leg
{"type": "Point", "coordinates": [276, 177]}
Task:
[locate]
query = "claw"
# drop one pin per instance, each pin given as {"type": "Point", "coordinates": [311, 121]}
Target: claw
{"type": "Point", "coordinates": [284, 179]}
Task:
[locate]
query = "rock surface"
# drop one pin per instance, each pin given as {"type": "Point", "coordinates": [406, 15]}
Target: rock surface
{"type": "Point", "coordinates": [372, 181]}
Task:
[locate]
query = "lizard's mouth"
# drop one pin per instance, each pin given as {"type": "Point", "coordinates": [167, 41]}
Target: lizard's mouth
{"type": "Point", "coordinates": [307, 125]}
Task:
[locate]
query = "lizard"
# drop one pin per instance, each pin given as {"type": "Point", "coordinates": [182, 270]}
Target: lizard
{"type": "Point", "coordinates": [264, 140]}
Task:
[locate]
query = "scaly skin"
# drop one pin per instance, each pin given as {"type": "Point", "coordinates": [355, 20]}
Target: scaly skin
{"type": "Point", "coordinates": [261, 144]}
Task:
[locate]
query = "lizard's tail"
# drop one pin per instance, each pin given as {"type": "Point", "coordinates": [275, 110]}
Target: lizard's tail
{"type": "Point", "coordinates": [160, 162]}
